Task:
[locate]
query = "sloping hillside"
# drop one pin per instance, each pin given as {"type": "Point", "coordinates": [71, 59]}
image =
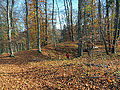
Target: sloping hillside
{"type": "Point", "coordinates": [51, 70]}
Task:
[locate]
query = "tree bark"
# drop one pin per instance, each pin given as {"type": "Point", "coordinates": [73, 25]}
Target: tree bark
{"type": "Point", "coordinates": [38, 27]}
{"type": "Point", "coordinates": [46, 23]}
{"type": "Point", "coordinates": [99, 22]}
{"type": "Point", "coordinates": [80, 50]}
{"type": "Point", "coordinates": [12, 15]}
{"type": "Point", "coordinates": [85, 32]}
{"type": "Point", "coordinates": [15, 47]}
{"type": "Point", "coordinates": [107, 16]}
{"type": "Point", "coordinates": [35, 18]}
{"type": "Point", "coordinates": [118, 29]}
{"type": "Point", "coordinates": [112, 12]}
{"type": "Point", "coordinates": [67, 18]}
{"type": "Point", "coordinates": [28, 38]}
{"type": "Point", "coordinates": [72, 37]}
{"type": "Point", "coordinates": [59, 15]}
{"type": "Point", "coordinates": [9, 29]}
{"type": "Point", "coordinates": [53, 27]}
{"type": "Point", "coordinates": [92, 23]}
{"type": "Point", "coordinates": [116, 26]}
{"type": "Point", "coordinates": [2, 37]}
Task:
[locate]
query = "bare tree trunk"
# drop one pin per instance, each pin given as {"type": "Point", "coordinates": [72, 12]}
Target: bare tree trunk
{"type": "Point", "coordinates": [35, 27]}
{"type": "Point", "coordinates": [2, 44]}
{"type": "Point", "coordinates": [116, 26]}
{"type": "Point", "coordinates": [9, 29]}
{"type": "Point", "coordinates": [84, 27]}
{"type": "Point", "coordinates": [21, 46]}
{"type": "Point", "coordinates": [38, 27]}
{"type": "Point", "coordinates": [99, 22]}
{"type": "Point", "coordinates": [59, 15]}
{"type": "Point", "coordinates": [80, 50]}
{"type": "Point", "coordinates": [2, 48]}
{"type": "Point", "coordinates": [107, 16]}
{"type": "Point", "coordinates": [112, 12]}
{"type": "Point", "coordinates": [34, 44]}
{"type": "Point", "coordinates": [12, 15]}
{"type": "Point", "coordinates": [72, 37]}
{"type": "Point", "coordinates": [28, 38]}
{"type": "Point", "coordinates": [104, 21]}
{"type": "Point", "coordinates": [53, 27]}
{"type": "Point", "coordinates": [46, 23]}
{"type": "Point", "coordinates": [67, 17]}
{"type": "Point", "coordinates": [92, 23]}
{"type": "Point", "coordinates": [12, 22]}
{"type": "Point", "coordinates": [92, 30]}
{"type": "Point", "coordinates": [15, 46]}
{"type": "Point", "coordinates": [18, 46]}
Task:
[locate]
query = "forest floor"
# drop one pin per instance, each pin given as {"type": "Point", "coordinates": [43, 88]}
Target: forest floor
{"type": "Point", "coordinates": [50, 70]}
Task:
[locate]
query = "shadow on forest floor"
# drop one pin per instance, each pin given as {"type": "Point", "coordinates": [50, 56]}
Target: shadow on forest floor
{"type": "Point", "coordinates": [48, 53]}
{"type": "Point", "coordinates": [23, 57]}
